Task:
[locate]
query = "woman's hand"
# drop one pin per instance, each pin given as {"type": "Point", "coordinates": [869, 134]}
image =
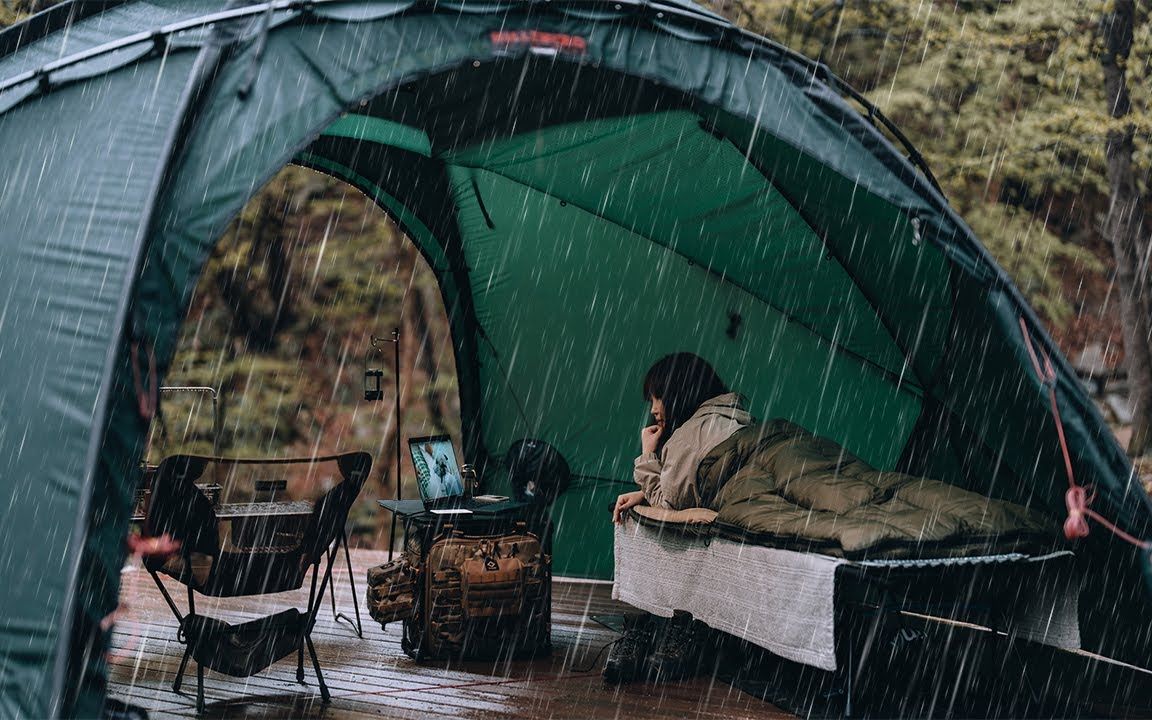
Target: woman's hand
{"type": "Point", "coordinates": [624, 503]}
{"type": "Point", "coordinates": [649, 437]}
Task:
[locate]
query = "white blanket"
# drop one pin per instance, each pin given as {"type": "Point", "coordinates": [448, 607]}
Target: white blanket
{"type": "Point", "coordinates": [780, 600]}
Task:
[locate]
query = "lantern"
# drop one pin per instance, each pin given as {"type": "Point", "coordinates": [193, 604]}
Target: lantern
{"type": "Point", "coordinates": [372, 379]}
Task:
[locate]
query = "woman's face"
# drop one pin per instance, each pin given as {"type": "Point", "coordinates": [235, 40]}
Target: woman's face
{"type": "Point", "coordinates": [658, 410]}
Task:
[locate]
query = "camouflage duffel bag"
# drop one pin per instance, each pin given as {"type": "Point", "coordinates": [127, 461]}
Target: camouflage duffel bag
{"type": "Point", "coordinates": [473, 597]}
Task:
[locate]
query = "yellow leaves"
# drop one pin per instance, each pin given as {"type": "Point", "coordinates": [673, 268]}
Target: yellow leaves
{"type": "Point", "coordinates": [1074, 121]}
{"type": "Point", "coordinates": [9, 17]}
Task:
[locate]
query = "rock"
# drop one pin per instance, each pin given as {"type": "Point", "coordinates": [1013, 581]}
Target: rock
{"type": "Point", "coordinates": [1119, 407]}
{"type": "Point", "coordinates": [1090, 362]}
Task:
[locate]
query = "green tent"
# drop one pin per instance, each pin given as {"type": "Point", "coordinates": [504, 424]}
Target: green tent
{"type": "Point", "coordinates": [594, 184]}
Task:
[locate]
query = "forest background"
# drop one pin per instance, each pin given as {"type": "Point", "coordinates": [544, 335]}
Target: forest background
{"type": "Point", "coordinates": [1005, 99]}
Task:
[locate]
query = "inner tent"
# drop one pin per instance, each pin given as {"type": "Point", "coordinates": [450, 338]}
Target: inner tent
{"type": "Point", "coordinates": [584, 223]}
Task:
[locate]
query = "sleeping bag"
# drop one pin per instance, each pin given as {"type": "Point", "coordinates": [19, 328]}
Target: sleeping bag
{"type": "Point", "coordinates": [778, 484]}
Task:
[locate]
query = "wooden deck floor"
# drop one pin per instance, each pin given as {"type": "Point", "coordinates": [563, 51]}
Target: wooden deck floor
{"type": "Point", "coordinates": [373, 678]}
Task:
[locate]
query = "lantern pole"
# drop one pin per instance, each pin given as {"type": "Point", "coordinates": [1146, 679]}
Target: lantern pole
{"type": "Point", "coordinates": [396, 347]}
{"type": "Point", "coordinates": [395, 340]}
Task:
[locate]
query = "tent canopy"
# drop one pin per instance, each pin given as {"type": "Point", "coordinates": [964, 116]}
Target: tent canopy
{"type": "Point", "coordinates": [594, 185]}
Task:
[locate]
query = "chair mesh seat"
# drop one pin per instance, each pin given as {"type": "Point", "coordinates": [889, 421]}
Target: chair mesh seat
{"type": "Point", "coordinates": [245, 649]}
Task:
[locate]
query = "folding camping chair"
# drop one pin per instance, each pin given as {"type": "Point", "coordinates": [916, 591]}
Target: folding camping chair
{"type": "Point", "coordinates": [267, 557]}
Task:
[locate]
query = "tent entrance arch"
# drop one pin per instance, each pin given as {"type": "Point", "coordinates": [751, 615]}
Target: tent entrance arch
{"type": "Point", "coordinates": [595, 184]}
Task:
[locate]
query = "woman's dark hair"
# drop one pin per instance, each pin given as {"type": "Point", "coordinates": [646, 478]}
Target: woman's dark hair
{"type": "Point", "coordinates": [683, 382]}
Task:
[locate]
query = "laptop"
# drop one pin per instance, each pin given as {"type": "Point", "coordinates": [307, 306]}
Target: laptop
{"type": "Point", "coordinates": [440, 481]}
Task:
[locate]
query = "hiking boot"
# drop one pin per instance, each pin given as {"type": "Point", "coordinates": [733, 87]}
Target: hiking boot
{"type": "Point", "coordinates": [676, 652]}
{"type": "Point", "coordinates": [627, 657]}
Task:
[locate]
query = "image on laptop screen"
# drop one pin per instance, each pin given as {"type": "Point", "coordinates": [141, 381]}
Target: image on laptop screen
{"type": "Point", "coordinates": [436, 469]}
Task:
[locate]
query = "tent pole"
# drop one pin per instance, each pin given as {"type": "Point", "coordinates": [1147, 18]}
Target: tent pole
{"type": "Point", "coordinates": [204, 70]}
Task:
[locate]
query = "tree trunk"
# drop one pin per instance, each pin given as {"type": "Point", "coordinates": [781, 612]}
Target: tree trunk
{"type": "Point", "coordinates": [1124, 226]}
{"type": "Point", "coordinates": [426, 353]}
{"type": "Point", "coordinates": [261, 312]}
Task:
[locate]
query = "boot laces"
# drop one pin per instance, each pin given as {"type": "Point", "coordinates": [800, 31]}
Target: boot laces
{"type": "Point", "coordinates": [679, 638]}
{"type": "Point", "coordinates": [632, 641]}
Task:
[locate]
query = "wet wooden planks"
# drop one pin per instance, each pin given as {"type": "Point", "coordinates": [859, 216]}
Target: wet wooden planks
{"type": "Point", "coordinates": [373, 678]}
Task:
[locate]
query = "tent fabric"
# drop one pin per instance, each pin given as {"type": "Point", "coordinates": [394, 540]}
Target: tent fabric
{"type": "Point", "coordinates": [593, 184]}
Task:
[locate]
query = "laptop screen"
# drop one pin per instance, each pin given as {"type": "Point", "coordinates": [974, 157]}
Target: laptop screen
{"type": "Point", "coordinates": [436, 471]}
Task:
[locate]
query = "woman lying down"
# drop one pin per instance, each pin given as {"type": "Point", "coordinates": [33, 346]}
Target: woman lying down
{"type": "Point", "coordinates": [705, 460]}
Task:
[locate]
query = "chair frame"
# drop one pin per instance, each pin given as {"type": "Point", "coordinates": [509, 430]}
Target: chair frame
{"type": "Point", "coordinates": [314, 602]}
{"type": "Point", "coordinates": [315, 596]}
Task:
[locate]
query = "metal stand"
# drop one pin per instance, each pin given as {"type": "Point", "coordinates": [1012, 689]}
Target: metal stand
{"type": "Point", "coordinates": [395, 340]}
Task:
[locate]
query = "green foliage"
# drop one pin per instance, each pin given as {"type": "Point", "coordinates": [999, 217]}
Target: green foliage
{"type": "Point", "coordinates": [9, 15]}
{"type": "Point", "coordinates": [1031, 254]}
{"type": "Point", "coordinates": [1004, 99]}
{"type": "Point", "coordinates": [13, 11]}
{"type": "Point", "coordinates": [288, 355]}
